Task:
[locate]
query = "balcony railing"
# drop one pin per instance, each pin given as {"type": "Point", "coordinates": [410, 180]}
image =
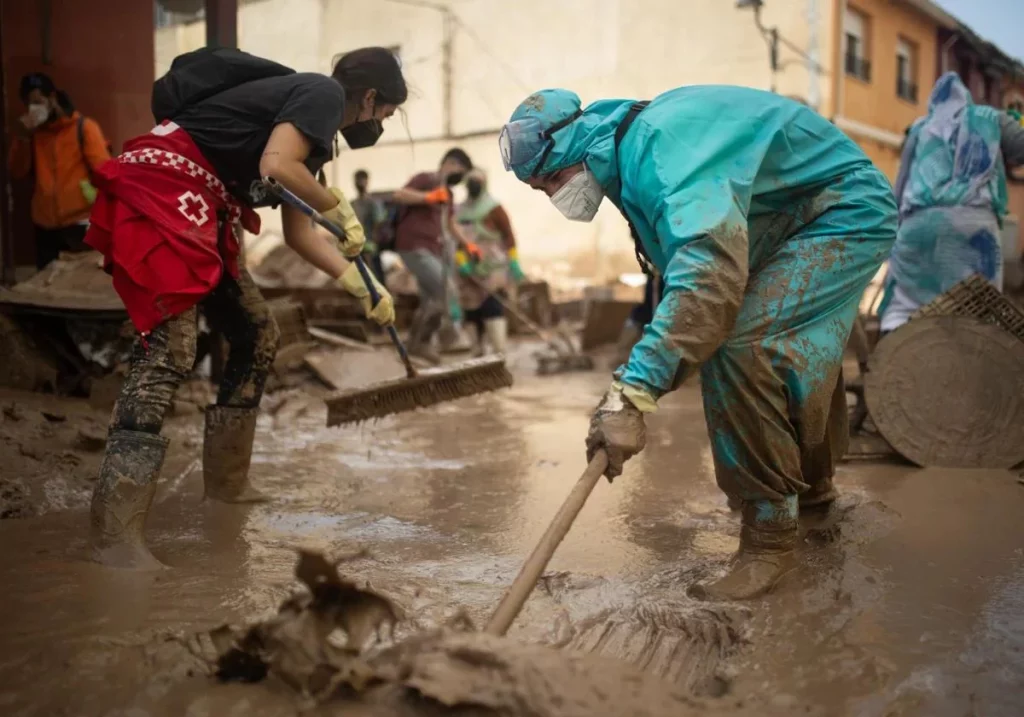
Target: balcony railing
{"type": "Point", "coordinates": [906, 90]}
{"type": "Point", "coordinates": [858, 67]}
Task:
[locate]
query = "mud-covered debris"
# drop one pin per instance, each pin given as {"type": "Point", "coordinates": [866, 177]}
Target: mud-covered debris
{"type": "Point", "coordinates": [54, 417]}
{"type": "Point", "coordinates": [14, 412]}
{"type": "Point", "coordinates": [498, 676]}
{"type": "Point", "coordinates": [301, 645]}
{"type": "Point", "coordinates": [30, 451]}
{"type": "Point", "coordinates": [444, 671]}
{"type": "Point", "coordinates": [69, 458]}
{"type": "Point", "coordinates": [14, 502]}
{"type": "Point", "coordinates": [360, 612]}
{"type": "Point", "coordinates": [91, 437]}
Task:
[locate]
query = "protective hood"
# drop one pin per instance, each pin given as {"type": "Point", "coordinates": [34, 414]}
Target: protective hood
{"type": "Point", "coordinates": [589, 138]}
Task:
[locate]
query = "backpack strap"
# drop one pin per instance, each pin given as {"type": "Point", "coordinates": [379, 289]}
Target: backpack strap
{"type": "Point", "coordinates": [80, 131]}
{"type": "Point", "coordinates": [642, 258]}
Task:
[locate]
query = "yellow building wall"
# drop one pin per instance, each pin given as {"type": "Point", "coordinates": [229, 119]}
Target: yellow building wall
{"type": "Point", "coordinates": [874, 103]}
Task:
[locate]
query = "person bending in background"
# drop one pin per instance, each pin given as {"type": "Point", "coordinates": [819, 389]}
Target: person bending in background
{"type": "Point", "coordinates": [420, 244]}
{"type": "Point", "coordinates": [61, 147]}
{"type": "Point", "coordinates": [952, 197]}
{"type": "Point", "coordinates": [486, 263]}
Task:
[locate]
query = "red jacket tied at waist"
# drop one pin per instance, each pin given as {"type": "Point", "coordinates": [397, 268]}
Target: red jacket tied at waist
{"type": "Point", "coordinates": [156, 222]}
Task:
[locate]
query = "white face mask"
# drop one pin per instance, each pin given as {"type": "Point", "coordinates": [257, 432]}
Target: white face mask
{"type": "Point", "coordinates": [38, 114]}
{"type": "Point", "coordinates": [579, 198]}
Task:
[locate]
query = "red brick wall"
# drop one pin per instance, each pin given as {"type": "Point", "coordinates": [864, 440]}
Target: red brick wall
{"type": "Point", "coordinates": [101, 53]}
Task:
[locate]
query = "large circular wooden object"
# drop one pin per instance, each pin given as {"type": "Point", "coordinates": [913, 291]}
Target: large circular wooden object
{"type": "Point", "coordinates": [948, 391]}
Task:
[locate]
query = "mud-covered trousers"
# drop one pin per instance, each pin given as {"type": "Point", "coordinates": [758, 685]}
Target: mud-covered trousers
{"type": "Point", "coordinates": [162, 360]}
{"type": "Point", "coordinates": [773, 393]}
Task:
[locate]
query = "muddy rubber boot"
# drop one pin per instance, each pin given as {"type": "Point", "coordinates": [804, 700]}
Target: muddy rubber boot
{"type": "Point", "coordinates": [767, 541]}
{"type": "Point", "coordinates": [122, 497]}
{"type": "Point", "coordinates": [478, 339]}
{"type": "Point", "coordinates": [497, 334]}
{"type": "Point", "coordinates": [420, 336]}
{"type": "Point", "coordinates": [819, 497]}
{"type": "Point", "coordinates": [227, 451]}
{"type": "Point", "coordinates": [425, 351]}
{"type": "Point", "coordinates": [453, 339]}
{"type": "Point", "coordinates": [822, 513]}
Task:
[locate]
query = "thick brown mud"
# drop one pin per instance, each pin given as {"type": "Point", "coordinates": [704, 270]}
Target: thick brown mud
{"type": "Point", "coordinates": [911, 604]}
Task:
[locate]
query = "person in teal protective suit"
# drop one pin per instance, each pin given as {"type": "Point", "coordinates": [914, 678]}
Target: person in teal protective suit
{"type": "Point", "coordinates": [765, 224]}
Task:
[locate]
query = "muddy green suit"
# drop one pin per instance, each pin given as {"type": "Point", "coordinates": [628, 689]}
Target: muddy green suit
{"type": "Point", "coordinates": [766, 224]}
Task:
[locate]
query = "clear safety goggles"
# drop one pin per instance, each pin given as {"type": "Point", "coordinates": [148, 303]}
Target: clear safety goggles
{"type": "Point", "coordinates": [523, 140]}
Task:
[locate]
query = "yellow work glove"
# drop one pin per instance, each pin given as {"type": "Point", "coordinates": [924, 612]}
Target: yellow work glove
{"type": "Point", "coordinates": [644, 401]}
{"type": "Point", "coordinates": [345, 217]}
{"type": "Point", "coordinates": [352, 282]}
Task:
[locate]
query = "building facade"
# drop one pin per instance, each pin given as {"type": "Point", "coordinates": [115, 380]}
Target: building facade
{"type": "Point", "coordinates": [867, 64]}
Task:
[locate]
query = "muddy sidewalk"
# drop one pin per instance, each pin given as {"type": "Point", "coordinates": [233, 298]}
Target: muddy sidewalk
{"type": "Point", "coordinates": [913, 606]}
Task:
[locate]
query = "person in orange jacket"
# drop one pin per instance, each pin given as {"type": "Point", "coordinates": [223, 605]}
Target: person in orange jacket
{"type": "Point", "coordinates": [61, 148]}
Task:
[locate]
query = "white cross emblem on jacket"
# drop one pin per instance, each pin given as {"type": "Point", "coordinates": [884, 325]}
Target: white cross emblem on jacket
{"type": "Point", "coordinates": [194, 208]}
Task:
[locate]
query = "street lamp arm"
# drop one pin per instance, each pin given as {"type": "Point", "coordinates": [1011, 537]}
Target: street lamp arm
{"type": "Point", "coordinates": [773, 38]}
{"type": "Point", "coordinates": [802, 54]}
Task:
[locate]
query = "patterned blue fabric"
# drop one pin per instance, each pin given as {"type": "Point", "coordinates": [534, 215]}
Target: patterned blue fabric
{"type": "Point", "coordinates": [956, 160]}
{"type": "Point", "coordinates": [953, 198]}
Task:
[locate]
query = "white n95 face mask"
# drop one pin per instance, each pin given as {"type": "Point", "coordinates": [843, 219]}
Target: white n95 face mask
{"type": "Point", "coordinates": [38, 114]}
{"type": "Point", "coordinates": [579, 198]}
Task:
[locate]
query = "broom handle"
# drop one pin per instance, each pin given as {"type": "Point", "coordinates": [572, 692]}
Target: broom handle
{"type": "Point", "coordinates": [282, 192]}
{"type": "Point", "coordinates": [520, 589]}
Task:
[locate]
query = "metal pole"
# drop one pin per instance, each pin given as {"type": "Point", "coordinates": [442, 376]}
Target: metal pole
{"type": "Point", "coordinates": [6, 214]}
{"type": "Point", "coordinates": [222, 23]}
{"type": "Point", "coordinates": [449, 34]}
{"type": "Point", "coordinates": [813, 66]}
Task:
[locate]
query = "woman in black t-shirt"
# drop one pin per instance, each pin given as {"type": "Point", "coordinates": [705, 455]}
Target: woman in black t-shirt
{"type": "Point", "coordinates": [166, 220]}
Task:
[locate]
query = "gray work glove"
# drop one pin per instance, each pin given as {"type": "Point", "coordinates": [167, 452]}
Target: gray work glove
{"type": "Point", "coordinates": [617, 427]}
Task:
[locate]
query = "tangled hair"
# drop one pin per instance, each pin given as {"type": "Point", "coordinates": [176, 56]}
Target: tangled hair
{"type": "Point", "coordinates": [372, 68]}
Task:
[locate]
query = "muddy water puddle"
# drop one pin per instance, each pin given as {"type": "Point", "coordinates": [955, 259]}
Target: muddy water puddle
{"type": "Point", "coordinates": [911, 608]}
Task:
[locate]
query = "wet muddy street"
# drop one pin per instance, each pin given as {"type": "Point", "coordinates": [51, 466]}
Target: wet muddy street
{"type": "Point", "coordinates": [912, 605]}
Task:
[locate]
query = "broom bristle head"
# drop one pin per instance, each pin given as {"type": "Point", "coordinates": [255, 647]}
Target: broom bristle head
{"type": "Point", "coordinates": [429, 388]}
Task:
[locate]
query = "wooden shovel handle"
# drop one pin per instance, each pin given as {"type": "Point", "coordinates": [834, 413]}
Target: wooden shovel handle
{"type": "Point", "coordinates": [520, 589]}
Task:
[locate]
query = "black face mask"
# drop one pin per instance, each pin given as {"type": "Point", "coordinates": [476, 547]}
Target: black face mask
{"type": "Point", "coordinates": [363, 134]}
{"type": "Point", "coordinates": [475, 188]}
{"type": "Point", "coordinates": [452, 179]}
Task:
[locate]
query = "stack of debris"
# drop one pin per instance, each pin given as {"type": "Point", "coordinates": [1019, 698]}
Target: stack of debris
{"type": "Point", "coordinates": [334, 644]}
{"type": "Point", "coordinates": [947, 388]}
{"type": "Point", "coordinates": [63, 328]}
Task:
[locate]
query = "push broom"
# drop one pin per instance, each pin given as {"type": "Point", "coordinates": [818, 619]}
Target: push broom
{"type": "Point", "coordinates": [418, 389]}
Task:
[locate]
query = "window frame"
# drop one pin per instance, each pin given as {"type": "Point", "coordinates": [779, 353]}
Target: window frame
{"type": "Point", "coordinates": [907, 87]}
{"type": "Point", "coordinates": [857, 64]}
